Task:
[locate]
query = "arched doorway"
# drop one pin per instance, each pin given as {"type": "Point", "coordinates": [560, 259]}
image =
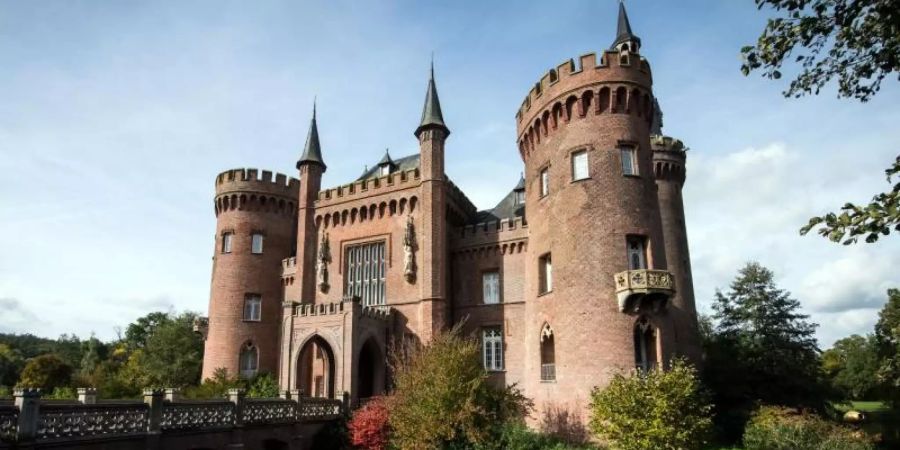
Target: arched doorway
{"type": "Point", "coordinates": [370, 370]}
{"type": "Point", "coordinates": [315, 369]}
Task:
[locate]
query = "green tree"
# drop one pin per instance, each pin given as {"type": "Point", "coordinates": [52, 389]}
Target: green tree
{"type": "Point", "coordinates": [762, 349]}
{"type": "Point", "coordinates": [173, 353]}
{"type": "Point", "coordinates": [887, 342]}
{"type": "Point", "coordinates": [11, 364]}
{"type": "Point", "coordinates": [46, 372]}
{"type": "Point", "coordinates": [442, 397]}
{"type": "Point", "coordinates": [855, 41]}
{"type": "Point", "coordinates": [653, 410]}
{"type": "Point", "coordinates": [852, 366]}
{"type": "Point", "coordinates": [137, 333]}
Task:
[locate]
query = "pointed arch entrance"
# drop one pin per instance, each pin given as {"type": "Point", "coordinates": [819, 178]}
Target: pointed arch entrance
{"type": "Point", "coordinates": [315, 368]}
{"type": "Point", "coordinates": [370, 370]}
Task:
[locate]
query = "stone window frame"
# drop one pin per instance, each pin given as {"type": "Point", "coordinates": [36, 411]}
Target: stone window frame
{"type": "Point", "coordinates": [544, 189]}
{"type": "Point", "coordinates": [545, 283]}
{"type": "Point", "coordinates": [632, 147]}
{"type": "Point", "coordinates": [247, 298]}
{"type": "Point", "coordinates": [248, 346]}
{"type": "Point", "coordinates": [493, 341]}
{"type": "Point", "coordinates": [227, 236]}
{"type": "Point", "coordinates": [644, 256]}
{"type": "Point", "coordinates": [262, 243]}
{"type": "Point", "coordinates": [484, 272]}
{"type": "Point", "coordinates": [581, 149]}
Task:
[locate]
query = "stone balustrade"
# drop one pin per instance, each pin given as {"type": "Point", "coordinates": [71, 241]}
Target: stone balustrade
{"type": "Point", "coordinates": [29, 419]}
{"type": "Point", "coordinates": [644, 290]}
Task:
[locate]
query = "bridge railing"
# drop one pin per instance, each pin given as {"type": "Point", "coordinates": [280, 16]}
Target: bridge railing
{"type": "Point", "coordinates": [32, 419]}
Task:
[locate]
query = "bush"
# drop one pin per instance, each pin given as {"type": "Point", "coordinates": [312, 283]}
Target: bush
{"type": "Point", "coordinates": [779, 428]}
{"type": "Point", "coordinates": [516, 436]}
{"type": "Point", "coordinates": [62, 393]}
{"type": "Point", "coordinates": [45, 372]}
{"type": "Point", "coordinates": [653, 410]}
{"type": "Point", "coordinates": [443, 398]}
{"type": "Point", "coordinates": [369, 428]}
{"type": "Point", "coordinates": [263, 385]}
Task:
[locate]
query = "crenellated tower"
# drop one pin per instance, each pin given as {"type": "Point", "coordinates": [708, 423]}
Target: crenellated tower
{"type": "Point", "coordinates": [311, 166]}
{"type": "Point", "coordinates": [432, 133]}
{"type": "Point", "coordinates": [669, 156]}
{"type": "Point", "coordinates": [597, 285]}
{"type": "Point", "coordinates": [254, 232]}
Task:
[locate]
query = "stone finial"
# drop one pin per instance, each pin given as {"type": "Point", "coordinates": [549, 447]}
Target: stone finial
{"type": "Point", "coordinates": [87, 396]}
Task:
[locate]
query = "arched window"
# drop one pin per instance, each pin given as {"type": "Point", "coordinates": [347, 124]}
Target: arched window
{"type": "Point", "coordinates": [548, 354]}
{"type": "Point", "coordinates": [645, 355]}
{"type": "Point", "coordinates": [249, 360]}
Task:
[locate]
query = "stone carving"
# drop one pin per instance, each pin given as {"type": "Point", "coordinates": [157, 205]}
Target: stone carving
{"type": "Point", "coordinates": [409, 248]}
{"type": "Point", "coordinates": [315, 408]}
{"type": "Point", "coordinates": [269, 410]}
{"type": "Point", "coordinates": [546, 332]}
{"type": "Point", "coordinates": [9, 417]}
{"type": "Point", "coordinates": [322, 263]}
{"type": "Point", "coordinates": [67, 421]}
{"type": "Point", "coordinates": [197, 415]}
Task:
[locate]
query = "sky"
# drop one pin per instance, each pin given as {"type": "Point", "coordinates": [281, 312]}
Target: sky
{"type": "Point", "coordinates": [116, 116]}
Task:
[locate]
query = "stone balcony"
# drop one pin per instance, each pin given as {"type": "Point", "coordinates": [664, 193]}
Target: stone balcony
{"type": "Point", "coordinates": [644, 290]}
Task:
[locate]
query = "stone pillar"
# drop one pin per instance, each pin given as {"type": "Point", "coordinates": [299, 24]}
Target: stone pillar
{"type": "Point", "coordinates": [172, 394]}
{"type": "Point", "coordinates": [237, 396]}
{"type": "Point", "coordinates": [28, 401]}
{"type": "Point", "coordinates": [87, 396]}
{"type": "Point", "coordinates": [154, 399]}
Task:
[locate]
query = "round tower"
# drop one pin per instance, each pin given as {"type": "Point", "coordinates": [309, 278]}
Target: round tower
{"type": "Point", "coordinates": [255, 229]}
{"type": "Point", "coordinates": [669, 156]}
{"type": "Point", "coordinates": [597, 289]}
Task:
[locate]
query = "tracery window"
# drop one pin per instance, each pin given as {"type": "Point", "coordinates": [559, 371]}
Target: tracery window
{"type": "Point", "coordinates": [492, 348]}
{"type": "Point", "coordinates": [637, 252]}
{"type": "Point", "coordinates": [249, 360]}
{"type": "Point", "coordinates": [365, 272]}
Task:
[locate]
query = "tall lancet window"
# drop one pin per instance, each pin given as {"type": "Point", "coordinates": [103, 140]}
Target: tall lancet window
{"type": "Point", "coordinates": [364, 273]}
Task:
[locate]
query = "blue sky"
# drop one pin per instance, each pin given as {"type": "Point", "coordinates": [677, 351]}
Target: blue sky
{"type": "Point", "coordinates": [115, 118]}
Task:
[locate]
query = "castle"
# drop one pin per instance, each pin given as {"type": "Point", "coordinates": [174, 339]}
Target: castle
{"type": "Point", "coordinates": [580, 271]}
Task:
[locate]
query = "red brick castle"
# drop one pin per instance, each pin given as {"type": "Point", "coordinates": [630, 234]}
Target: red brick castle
{"type": "Point", "coordinates": [580, 271]}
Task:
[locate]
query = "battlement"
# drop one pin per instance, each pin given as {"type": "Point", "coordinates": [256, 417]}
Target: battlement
{"type": "Point", "coordinates": [613, 66]}
{"type": "Point", "coordinates": [360, 188]}
{"type": "Point", "coordinates": [381, 312]}
{"type": "Point", "coordinates": [660, 143]}
{"type": "Point", "coordinates": [669, 155]}
{"type": "Point", "coordinates": [254, 180]}
{"type": "Point", "coordinates": [289, 266]}
{"type": "Point", "coordinates": [494, 233]}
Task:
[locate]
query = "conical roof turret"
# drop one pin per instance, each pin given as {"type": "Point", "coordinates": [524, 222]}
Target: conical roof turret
{"type": "Point", "coordinates": [312, 152]}
{"type": "Point", "coordinates": [432, 117]}
{"type": "Point", "coordinates": [623, 29]}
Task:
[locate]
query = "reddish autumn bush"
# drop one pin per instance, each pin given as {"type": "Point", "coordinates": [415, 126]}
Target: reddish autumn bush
{"type": "Point", "coordinates": [369, 425]}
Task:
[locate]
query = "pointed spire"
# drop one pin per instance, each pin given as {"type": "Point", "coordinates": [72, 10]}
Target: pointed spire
{"type": "Point", "coordinates": [520, 186]}
{"type": "Point", "coordinates": [431, 113]}
{"type": "Point", "coordinates": [623, 29]}
{"type": "Point", "coordinates": [386, 159]}
{"type": "Point", "coordinates": [312, 152]}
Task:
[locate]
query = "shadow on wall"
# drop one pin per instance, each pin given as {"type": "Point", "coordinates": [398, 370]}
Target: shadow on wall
{"type": "Point", "coordinates": [564, 423]}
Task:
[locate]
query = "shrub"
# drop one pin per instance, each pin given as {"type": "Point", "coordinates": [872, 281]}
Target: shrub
{"type": "Point", "coordinates": [443, 398]}
{"type": "Point", "coordinates": [46, 372]}
{"type": "Point", "coordinates": [369, 428]}
{"type": "Point", "coordinates": [62, 393]}
{"type": "Point", "coordinates": [516, 436]}
{"type": "Point", "coordinates": [653, 410]}
{"type": "Point", "coordinates": [779, 428]}
{"type": "Point", "coordinates": [263, 385]}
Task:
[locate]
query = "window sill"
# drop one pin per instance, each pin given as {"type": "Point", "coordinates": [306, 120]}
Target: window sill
{"type": "Point", "coordinates": [632, 175]}
{"type": "Point", "coordinates": [548, 381]}
{"type": "Point", "coordinates": [251, 320]}
{"type": "Point", "coordinates": [541, 294]}
{"type": "Point", "coordinates": [491, 372]}
{"type": "Point", "coordinates": [580, 179]}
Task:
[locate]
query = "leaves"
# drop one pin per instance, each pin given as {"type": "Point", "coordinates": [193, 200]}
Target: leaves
{"type": "Point", "coordinates": [879, 218]}
{"type": "Point", "coordinates": [855, 41]}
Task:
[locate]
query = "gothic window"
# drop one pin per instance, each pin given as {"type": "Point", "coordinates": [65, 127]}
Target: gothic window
{"type": "Point", "coordinates": [580, 165]}
{"type": "Point", "coordinates": [545, 181]}
{"type": "Point", "coordinates": [226, 242]}
{"type": "Point", "coordinates": [637, 252]}
{"type": "Point", "coordinates": [256, 243]}
{"type": "Point", "coordinates": [364, 273]}
{"type": "Point", "coordinates": [491, 287]}
{"type": "Point", "coordinates": [249, 360]}
{"type": "Point", "coordinates": [545, 269]}
{"type": "Point", "coordinates": [548, 354]}
{"type": "Point", "coordinates": [252, 307]}
{"type": "Point", "coordinates": [492, 348]}
{"type": "Point", "coordinates": [645, 356]}
{"type": "Point", "coordinates": [629, 161]}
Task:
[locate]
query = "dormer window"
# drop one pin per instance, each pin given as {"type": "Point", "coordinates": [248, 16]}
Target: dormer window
{"type": "Point", "coordinates": [520, 197]}
{"type": "Point", "coordinates": [384, 170]}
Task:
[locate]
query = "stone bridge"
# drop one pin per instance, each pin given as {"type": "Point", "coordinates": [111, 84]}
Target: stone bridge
{"type": "Point", "coordinates": [163, 420]}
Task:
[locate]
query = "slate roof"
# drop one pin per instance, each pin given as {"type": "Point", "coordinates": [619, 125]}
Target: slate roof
{"type": "Point", "coordinates": [506, 209]}
{"type": "Point", "coordinates": [405, 163]}
{"type": "Point", "coordinates": [312, 151]}
{"type": "Point", "coordinates": [623, 29]}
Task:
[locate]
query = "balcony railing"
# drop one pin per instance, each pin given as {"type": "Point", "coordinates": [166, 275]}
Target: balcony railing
{"type": "Point", "coordinates": [644, 290]}
{"type": "Point", "coordinates": [548, 372]}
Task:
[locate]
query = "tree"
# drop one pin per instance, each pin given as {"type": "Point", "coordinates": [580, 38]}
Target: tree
{"type": "Point", "coordinates": [173, 353]}
{"type": "Point", "coordinates": [11, 364]}
{"type": "Point", "coordinates": [368, 427]}
{"type": "Point", "coordinates": [442, 397]}
{"type": "Point", "coordinates": [856, 41]}
{"type": "Point", "coordinates": [852, 366]}
{"type": "Point", "coordinates": [762, 350]}
{"type": "Point", "coordinates": [46, 372]}
{"type": "Point", "coordinates": [887, 344]}
{"type": "Point", "coordinates": [878, 218]}
{"type": "Point", "coordinates": [653, 410]}
{"type": "Point", "coordinates": [137, 333]}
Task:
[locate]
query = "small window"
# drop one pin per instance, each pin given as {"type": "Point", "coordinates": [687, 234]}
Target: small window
{"type": "Point", "coordinates": [492, 349]}
{"type": "Point", "coordinates": [545, 182]}
{"type": "Point", "coordinates": [548, 355]}
{"type": "Point", "coordinates": [580, 165]}
{"type": "Point", "coordinates": [256, 244]}
{"type": "Point", "coordinates": [252, 308]}
{"type": "Point", "coordinates": [637, 252]}
{"type": "Point", "coordinates": [491, 284]}
{"type": "Point", "coordinates": [645, 341]}
{"type": "Point", "coordinates": [629, 161]}
{"type": "Point", "coordinates": [545, 267]}
{"type": "Point", "coordinates": [249, 360]}
{"type": "Point", "coordinates": [520, 197]}
{"type": "Point", "coordinates": [385, 170]}
{"type": "Point", "coordinates": [226, 242]}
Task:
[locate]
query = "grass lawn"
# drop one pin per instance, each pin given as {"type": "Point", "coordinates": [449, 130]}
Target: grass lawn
{"type": "Point", "coordinates": [869, 406]}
